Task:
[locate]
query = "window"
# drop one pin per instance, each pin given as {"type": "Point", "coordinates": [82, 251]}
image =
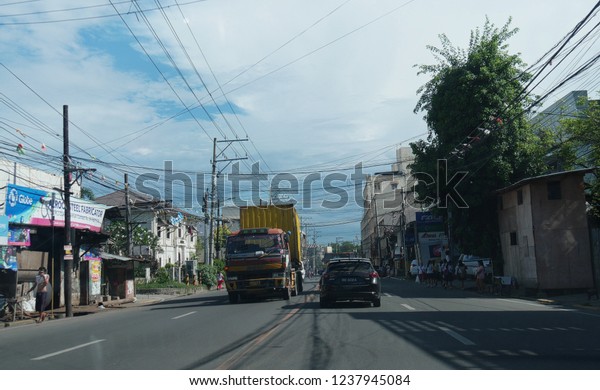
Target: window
{"type": "Point", "coordinates": [553, 190]}
{"type": "Point", "coordinates": [394, 186]}
{"type": "Point", "coordinates": [179, 232]}
{"type": "Point", "coordinates": [168, 233]}
{"type": "Point", "coordinates": [520, 197]}
{"type": "Point", "coordinates": [513, 238]}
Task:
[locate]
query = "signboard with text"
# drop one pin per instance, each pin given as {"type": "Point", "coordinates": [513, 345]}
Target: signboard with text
{"type": "Point", "coordinates": [31, 206]}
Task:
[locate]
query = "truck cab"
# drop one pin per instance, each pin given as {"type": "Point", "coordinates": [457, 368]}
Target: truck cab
{"type": "Point", "coordinates": [257, 263]}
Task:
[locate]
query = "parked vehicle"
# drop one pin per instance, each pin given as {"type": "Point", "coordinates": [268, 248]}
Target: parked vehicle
{"type": "Point", "coordinates": [350, 279]}
{"type": "Point", "coordinates": [472, 263]}
{"type": "Point", "coordinates": [264, 257]}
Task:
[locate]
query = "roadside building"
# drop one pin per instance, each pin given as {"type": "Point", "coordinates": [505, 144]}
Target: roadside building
{"type": "Point", "coordinates": [386, 212]}
{"type": "Point", "coordinates": [544, 232]}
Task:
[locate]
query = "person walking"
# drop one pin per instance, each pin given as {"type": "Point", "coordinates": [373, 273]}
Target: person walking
{"type": "Point", "coordinates": [42, 289]}
{"type": "Point", "coordinates": [461, 272]}
{"type": "Point", "coordinates": [430, 274]}
{"type": "Point", "coordinates": [220, 280]}
{"type": "Point", "coordinates": [480, 277]}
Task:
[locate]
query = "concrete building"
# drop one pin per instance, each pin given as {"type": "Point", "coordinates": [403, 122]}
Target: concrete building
{"type": "Point", "coordinates": [176, 230]}
{"type": "Point", "coordinates": [386, 212]}
{"type": "Point", "coordinates": [544, 232]}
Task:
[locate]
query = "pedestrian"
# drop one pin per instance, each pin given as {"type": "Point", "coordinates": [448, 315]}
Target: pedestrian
{"type": "Point", "coordinates": [437, 275]}
{"type": "Point", "coordinates": [445, 273]}
{"type": "Point", "coordinates": [430, 274]}
{"type": "Point", "coordinates": [450, 275]}
{"type": "Point", "coordinates": [480, 277]}
{"type": "Point", "coordinates": [461, 272]}
{"type": "Point", "coordinates": [220, 280]}
{"type": "Point", "coordinates": [42, 289]}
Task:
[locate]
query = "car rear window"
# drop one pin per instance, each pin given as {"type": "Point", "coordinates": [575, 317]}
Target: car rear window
{"type": "Point", "coordinates": [350, 267]}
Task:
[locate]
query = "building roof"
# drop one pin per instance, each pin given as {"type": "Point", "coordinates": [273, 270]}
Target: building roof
{"type": "Point", "coordinates": [117, 198]}
{"type": "Point", "coordinates": [553, 175]}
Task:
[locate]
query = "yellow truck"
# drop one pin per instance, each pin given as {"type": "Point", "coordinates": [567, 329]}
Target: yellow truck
{"type": "Point", "coordinates": [264, 258]}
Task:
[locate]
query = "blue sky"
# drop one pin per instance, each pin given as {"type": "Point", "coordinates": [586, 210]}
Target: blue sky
{"type": "Point", "coordinates": [316, 86]}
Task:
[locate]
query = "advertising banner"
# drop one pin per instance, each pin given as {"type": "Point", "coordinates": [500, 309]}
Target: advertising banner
{"type": "Point", "coordinates": [31, 206]}
{"type": "Point", "coordinates": [8, 257]}
{"type": "Point", "coordinates": [427, 222]}
{"type": "Point", "coordinates": [3, 230]}
{"type": "Point", "coordinates": [19, 237]}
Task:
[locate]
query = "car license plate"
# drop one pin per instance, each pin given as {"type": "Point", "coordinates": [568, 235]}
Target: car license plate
{"type": "Point", "coordinates": [349, 280]}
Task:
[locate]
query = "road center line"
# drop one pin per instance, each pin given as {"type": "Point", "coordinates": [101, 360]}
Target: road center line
{"type": "Point", "coordinates": [408, 307]}
{"type": "Point", "coordinates": [183, 315]}
{"type": "Point", "coordinates": [68, 350]}
{"type": "Point", "coordinates": [458, 337]}
{"type": "Point", "coordinates": [256, 342]}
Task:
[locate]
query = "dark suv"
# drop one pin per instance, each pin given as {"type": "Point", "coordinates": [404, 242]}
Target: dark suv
{"type": "Point", "coordinates": [351, 279]}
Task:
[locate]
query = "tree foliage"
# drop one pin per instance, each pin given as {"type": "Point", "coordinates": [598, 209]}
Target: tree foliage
{"type": "Point", "coordinates": [578, 141]}
{"type": "Point", "coordinates": [139, 236]}
{"type": "Point", "coordinates": [475, 114]}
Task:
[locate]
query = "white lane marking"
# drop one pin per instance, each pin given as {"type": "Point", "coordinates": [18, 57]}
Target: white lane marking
{"type": "Point", "coordinates": [183, 315]}
{"type": "Point", "coordinates": [458, 337]}
{"type": "Point", "coordinates": [408, 307]}
{"type": "Point", "coordinates": [68, 349]}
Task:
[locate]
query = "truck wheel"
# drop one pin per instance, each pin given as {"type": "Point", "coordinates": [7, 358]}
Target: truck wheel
{"type": "Point", "coordinates": [299, 282]}
{"type": "Point", "coordinates": [286, 294]}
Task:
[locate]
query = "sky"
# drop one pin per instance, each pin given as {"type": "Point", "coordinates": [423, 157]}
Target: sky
{"type": "Point", "coordinates": [299, 91]}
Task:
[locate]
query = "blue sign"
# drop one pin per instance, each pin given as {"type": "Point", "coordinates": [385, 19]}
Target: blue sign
{"type": "Point", "coordinates": [21, 203]}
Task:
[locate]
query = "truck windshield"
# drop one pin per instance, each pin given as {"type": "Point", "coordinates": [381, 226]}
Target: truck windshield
{"type": "Point", "coordinates": [267, 243]}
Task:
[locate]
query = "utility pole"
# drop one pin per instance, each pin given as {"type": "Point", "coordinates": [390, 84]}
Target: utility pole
{"type": "Point", "coordinates": [68, 247]}
{"type": "Point", "coordinates": [213, 190]}
{"type": "Point", "coordinates": [67, 254]}
{"type": "Point", "coordinates": [128, 217]}
{"type": "Point", "coordinates": [377, 231]}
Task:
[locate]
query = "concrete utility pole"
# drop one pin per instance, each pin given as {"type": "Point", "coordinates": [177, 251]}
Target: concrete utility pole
{"type": "Point", "coordinates": [213, 190]}
{"type": "Point", "coordinates": [128, 217]}
{"type": "Point", "coordinates": [377, 231]}
{"type": "Point", "coordinates": [67, 253]}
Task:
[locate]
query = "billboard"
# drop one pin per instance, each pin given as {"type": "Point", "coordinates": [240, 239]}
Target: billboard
{"type": "Point", "coordinates": [31, 206]}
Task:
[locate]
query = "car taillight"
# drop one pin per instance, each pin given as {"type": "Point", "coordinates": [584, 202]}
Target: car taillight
{"type": "Point", "coordinates": [374, 274]}
{"type": "Point", "coordinates": [325, 276]}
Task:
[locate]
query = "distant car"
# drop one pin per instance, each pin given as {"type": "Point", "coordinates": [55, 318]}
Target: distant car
{"type": "Point", "coordinates": [351, 279]}
{"type": "Point", "coordinates": [472, 263]}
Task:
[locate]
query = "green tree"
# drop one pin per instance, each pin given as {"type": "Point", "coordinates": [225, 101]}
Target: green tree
{"type": "Point", "coordinates": [578, 146]}
{"type": "Point", "coordinates": [87, 193]}
{"type": "Point", "coordinates": [477, 125]}
{"type": "Point", "coordinates": [140, 236]}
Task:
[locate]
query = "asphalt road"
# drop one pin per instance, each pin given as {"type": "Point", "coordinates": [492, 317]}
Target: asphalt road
{"type": "Point", "coordinates": [415, 328]}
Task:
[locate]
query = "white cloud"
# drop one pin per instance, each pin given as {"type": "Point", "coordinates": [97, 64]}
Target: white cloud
{"type": "Point", "coordinates": [344, 86]}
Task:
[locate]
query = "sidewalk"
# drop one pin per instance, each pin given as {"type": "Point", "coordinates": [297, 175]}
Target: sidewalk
{"type": "Point", "coordinates": [79, 310]}
{"type": "Point", "coordinates": [579, 300]}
